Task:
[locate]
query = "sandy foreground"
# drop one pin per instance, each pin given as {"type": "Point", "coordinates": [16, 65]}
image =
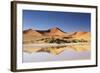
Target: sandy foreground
{"type": "Point", "coordinates": [56, 49]}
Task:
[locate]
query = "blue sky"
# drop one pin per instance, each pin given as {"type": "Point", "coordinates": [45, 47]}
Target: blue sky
{"type": "Point", "coordinates": [66, 21]}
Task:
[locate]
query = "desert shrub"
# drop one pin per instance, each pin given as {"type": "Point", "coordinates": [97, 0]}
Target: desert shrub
{"type": "Point", "coordinates": [42, 39]}
{"type": "Point", "coordinates": [75, 41]}
{"type": "Point", "coordinates": [31, 41]}
{"type": "Point", "coordinates": [67, 37]}
{"type": "Point", "coordinates": [67, 41]}
{"type": "Point", "coordinates": [82, 40]}
{"type": "Point", "coordinates": [78, 41]}
{"type": "Point", "coordinates": [59, 41]}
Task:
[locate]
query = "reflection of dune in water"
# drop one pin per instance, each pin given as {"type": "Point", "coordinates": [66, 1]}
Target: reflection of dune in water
{"type": "Point", "coordinates": [65, 55]}
{"type": "Point", "coordinates": [55, 50]}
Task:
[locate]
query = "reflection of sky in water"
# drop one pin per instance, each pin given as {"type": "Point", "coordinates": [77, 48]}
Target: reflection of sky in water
{"type": "Point", "coordinates": [66, 55]}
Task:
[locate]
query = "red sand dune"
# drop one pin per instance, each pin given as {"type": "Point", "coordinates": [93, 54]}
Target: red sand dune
{"type": "Point", "coordinates": [30, 33]}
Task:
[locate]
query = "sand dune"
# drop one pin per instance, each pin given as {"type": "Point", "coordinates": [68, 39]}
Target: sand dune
{"type": "Point", "coordinates": [56, 32]}
{"type": "Point", "coordinates": [31, 34]}
{"type": "Point", "coordinates": [81, 35]}
{"type": "Point", "coordinates": [55, 35]}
